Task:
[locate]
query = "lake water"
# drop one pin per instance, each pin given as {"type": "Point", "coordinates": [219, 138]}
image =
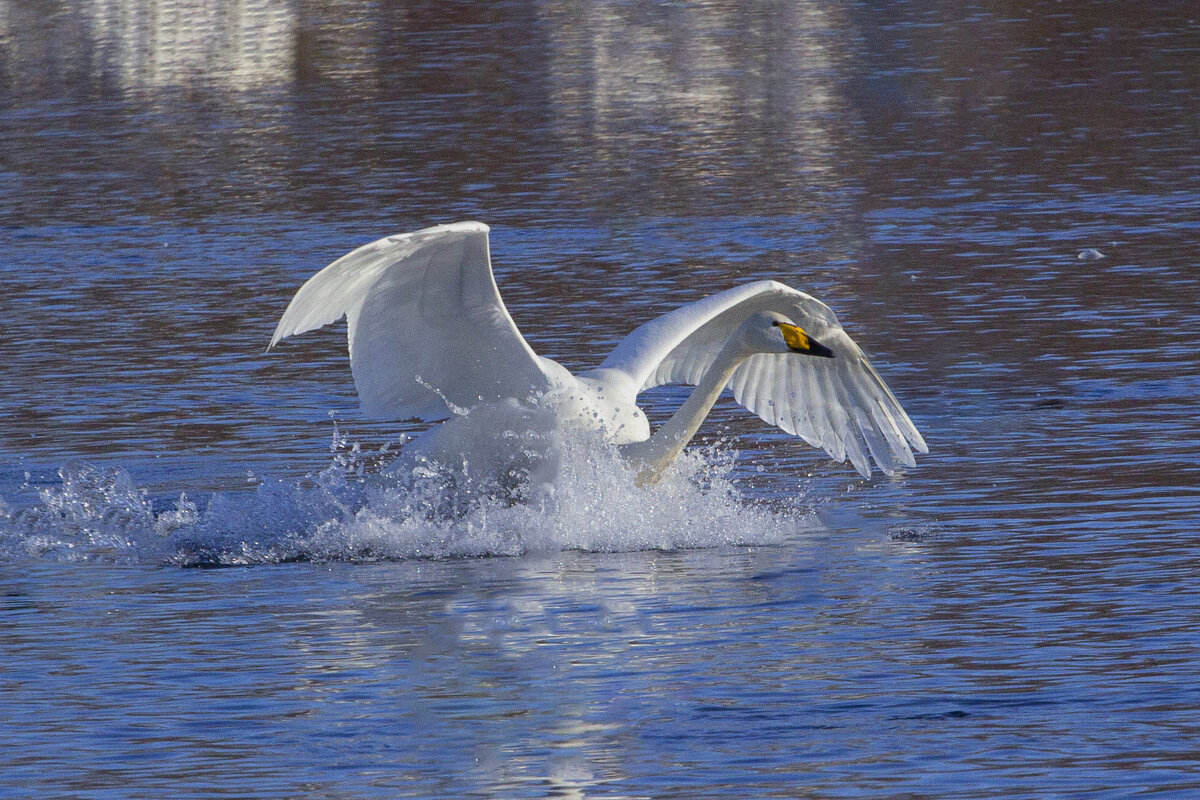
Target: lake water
{"type": "Point", "coordinates": [1000, 200]}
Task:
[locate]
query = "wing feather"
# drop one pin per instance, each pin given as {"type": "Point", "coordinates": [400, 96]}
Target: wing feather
{"type": "Point", "coordinates": [427, 329]}
{"type": "Point", "coordinates": [834, 428]}
{"type": "Point", "coordinates": [840, 405]}
{"type": "Point", "coordinates": [783, 403]}
{"type": "Point", "coordinates": [801, 415]}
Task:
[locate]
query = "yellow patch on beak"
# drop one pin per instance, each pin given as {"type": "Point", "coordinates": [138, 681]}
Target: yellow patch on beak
{"type": "Point", "coordinates": [801, 342]}
{"type": "Point", "coordinates": [795, 337]}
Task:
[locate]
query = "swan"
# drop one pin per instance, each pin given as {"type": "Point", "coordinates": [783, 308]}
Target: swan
{"type": "Point", "coordinates": [430, 338]}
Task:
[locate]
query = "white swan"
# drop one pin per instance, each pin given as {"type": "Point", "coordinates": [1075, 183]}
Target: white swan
{"type": "Point", "coordinates": [430, 337]}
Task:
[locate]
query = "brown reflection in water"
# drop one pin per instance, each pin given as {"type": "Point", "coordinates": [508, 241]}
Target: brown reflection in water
{"type": "Point", "coordinates": [679, 103]}
{"type": "Point", "coordinates": [147, 46]}
{"type": "Point", "coordinates": [319, 104]}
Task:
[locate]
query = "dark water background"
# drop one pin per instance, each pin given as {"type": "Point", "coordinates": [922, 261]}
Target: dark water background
{"type": "Point", "coordinates": [1001, 200]}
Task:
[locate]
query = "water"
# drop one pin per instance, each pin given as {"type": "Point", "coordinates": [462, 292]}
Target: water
{"type": "Point", "coordinates": [1001, 203]}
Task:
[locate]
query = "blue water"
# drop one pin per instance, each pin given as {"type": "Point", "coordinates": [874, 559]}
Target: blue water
{"type": "Point", "coordinates": [1001, 204]}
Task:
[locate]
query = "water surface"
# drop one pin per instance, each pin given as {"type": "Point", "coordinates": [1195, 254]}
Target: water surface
{"type": "Point", "coordinates": [1001, 203]}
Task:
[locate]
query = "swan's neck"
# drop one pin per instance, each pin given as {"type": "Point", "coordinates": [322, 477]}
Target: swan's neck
{"type": "Point", "coordinates": [655, 454]}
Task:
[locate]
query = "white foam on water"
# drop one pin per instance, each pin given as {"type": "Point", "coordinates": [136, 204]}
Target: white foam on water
{"type": "Point", "coordinates": [415, 510]}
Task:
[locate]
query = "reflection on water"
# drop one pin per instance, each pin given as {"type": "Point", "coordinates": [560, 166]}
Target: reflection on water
{"type": "Point", "coordinates": [688, 97]}
{"type": "Point", "coordinates": [260, 100]}
{"type": "Point", "coordinates": [147, 46]}
{"type": "Point", "coordinates": [1015, 616]}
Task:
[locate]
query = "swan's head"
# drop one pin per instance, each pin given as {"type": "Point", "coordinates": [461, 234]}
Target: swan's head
{"type": "Point", "coordinates": [768, 332]}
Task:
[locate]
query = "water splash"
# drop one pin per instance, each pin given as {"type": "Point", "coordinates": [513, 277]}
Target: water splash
{"type": "Point", "coordinates": [418, 509]}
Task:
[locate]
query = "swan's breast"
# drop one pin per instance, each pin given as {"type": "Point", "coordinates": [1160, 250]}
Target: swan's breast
{"type": "Point", "coordinates": [601, 402]}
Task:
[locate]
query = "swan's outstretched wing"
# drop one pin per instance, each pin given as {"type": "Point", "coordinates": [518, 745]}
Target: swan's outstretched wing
{"type": "Point", "coordinates": [426, 325]}
{"type": "Point", "coordinates": [840, 404]}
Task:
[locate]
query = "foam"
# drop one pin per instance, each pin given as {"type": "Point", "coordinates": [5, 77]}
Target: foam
{"type": "Point", "coordinates": [417, 509]}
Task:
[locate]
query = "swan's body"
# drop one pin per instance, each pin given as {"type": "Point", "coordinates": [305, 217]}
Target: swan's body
{"type": "Point", "coordinates": [430, 338]}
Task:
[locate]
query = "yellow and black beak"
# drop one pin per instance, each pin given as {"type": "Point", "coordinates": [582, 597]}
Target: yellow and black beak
{"type": "Point", "coordinates": [800, 342]}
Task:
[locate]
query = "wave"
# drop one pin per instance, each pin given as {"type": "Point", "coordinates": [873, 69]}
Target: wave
{"type": "Point", "coordinates": [414, 510]}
